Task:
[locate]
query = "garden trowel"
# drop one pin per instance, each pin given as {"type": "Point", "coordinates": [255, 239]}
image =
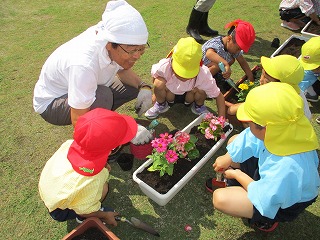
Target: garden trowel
{"type": "Point", "coordinates": [229, 81]}
{"type": "Point", "coordinates": [138, 224]}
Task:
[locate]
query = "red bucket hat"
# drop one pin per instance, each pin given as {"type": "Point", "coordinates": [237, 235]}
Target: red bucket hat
{"type": "Point", "coordinates": [96, 133]}
{"type": "Point", "coordinates": [245, 34]}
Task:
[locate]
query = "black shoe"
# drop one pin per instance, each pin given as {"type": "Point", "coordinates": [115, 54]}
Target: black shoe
{"type": "Point", "coordinates": [275, 43]}
{"type": "Point", "coordinates": [194, 24]}
{"type": "Point", "coordinates": [204, 28]}
{"type": "Point", "coordinates": [115, 153]}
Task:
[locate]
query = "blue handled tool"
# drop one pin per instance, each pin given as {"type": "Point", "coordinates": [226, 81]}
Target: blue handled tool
{"type": "Point", "coordinates": [229, 81]}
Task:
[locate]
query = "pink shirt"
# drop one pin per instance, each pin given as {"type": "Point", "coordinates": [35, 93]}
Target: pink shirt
{"type": "Point", "coordinates": [203, 80]}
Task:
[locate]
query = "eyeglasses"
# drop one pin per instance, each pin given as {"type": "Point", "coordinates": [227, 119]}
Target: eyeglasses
{"type": "Point", "coordinates": [133, 52]}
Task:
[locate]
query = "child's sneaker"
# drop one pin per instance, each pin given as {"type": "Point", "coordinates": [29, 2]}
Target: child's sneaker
{"type": "Point", "coordinates": [290, 25]}
{"type": "Point", "coordinates": [312, 98]}
{"type": "Point", "coordinates": [156, 110]}
{"type": "Point", "coordinates": [198, 110]}
{"type": "Point", "coordinates": [266, 227]}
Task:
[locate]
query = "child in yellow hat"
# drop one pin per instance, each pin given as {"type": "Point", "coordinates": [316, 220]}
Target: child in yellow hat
{"type": "Point", "coordinates": [290, 71]}
{"type": "Point", "coordinates": [310, 60]}
{"type": "Point", "coordinates": [182, 77]}
{"type": "Point", "coordinates": [274, 174]}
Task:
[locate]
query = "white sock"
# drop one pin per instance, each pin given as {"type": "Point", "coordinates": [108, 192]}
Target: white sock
{"type": "Point", "coordinates": [311, 91]}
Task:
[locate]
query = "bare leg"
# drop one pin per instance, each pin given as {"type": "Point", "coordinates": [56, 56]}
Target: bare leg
{"type": "Point", "coordinates": [233, 201]}
{"type": "Point", "coordinates": [199, 96]}
{"type": "Point", "coordinates": [160, 90]}
{"type": "Point", "coordinates": [189, 97]}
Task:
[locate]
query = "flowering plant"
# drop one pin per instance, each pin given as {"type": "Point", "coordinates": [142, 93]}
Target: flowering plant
{"type": "Point", "coordinates": [212, 127]}
{"type": "Point", "coordinates": [167, 149]}
{"type": "Point", "coordinates": [246, 87]}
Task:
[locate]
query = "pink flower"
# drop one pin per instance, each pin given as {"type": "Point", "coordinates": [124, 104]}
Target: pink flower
{"type": "Point", "coordinates": [187, 228]}
{"type": "Point", "coordinates": [171, 156]}
{"type": "Point", "coordinates": [182, 137]}
{"type": "Point", "coordinates": [208, 117]}
{"type": "Point", "coordinates": [167, 137]}
{"type": "Point", "coordinates": [208, 134]}
{"type": "Point", "coordinates": [159, 144]}
{"type": "Point", "coordinates": [213, 126]}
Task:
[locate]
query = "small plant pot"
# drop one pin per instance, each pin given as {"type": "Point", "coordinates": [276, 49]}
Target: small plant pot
{"type": "Point", "coordinates": [141, 151]}
{"type": "Point", "coordinates": [125, 161]}
{"type": "Point", "coordinates": [88, 224]}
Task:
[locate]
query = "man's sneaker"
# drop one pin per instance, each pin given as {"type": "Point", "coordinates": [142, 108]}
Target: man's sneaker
{"type": "Point", "coordinates": [290, 25]}
{"type": "Point", "coordinates": [318, 120]}
{"type": "Point", "coordinates": [266, 227]}
{"type": "Point", "coordinates": [156, 110]}
{"type": "Point", "coordinates": [198, 110]}
{"type": "Point", "coordinates": [312, 98]}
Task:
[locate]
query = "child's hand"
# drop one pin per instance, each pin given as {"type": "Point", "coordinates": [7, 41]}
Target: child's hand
{"type": "Point", "coordinates": [227, 73]}
{"type": "Point", "coordinates": [222, 163]}
{"type": "Point", "coordinates": [231, 173]}
{"type": "Point", "coordinates": [109, 218]}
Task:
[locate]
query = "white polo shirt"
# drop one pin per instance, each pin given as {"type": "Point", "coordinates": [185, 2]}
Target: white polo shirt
{"type": "Point", "coordinates": [75, 68]}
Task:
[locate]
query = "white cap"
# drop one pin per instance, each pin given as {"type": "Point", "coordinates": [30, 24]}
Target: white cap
{"type": "Point", "coordinates": [123, 24]}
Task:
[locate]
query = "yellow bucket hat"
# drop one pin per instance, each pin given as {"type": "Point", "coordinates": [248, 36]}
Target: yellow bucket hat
{"type": "Point", "coordinates": [285, 68]}
{"type": "Point", "coordinates": [279, 108]}
{"type": "Point", "coordinates": [186, 58]}
{"type": "Point", "coordinates": [310, 54]}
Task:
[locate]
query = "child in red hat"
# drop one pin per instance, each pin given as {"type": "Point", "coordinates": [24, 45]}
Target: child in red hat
{"type": "Point", "coordinates": [74, 181]}
{"type": "Point", "coordinates": [227, 49]}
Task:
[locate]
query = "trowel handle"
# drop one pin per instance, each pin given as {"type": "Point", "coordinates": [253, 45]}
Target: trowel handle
{"type": "Point", "coordinates": [222, 67]}
{"type": "Point", "coordinates": [122, 219]}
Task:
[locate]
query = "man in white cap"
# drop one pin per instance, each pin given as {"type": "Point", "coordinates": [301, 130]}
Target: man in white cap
{"type": "Point", "coordinates": [94, 69]}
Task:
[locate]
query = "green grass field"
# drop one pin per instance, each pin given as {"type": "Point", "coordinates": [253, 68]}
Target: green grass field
{"type": "Point", "coordinates": [30, 31]}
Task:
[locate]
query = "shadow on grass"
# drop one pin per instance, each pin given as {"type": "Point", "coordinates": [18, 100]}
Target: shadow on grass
{"type": "Point", "coordinates": [259, 48]}
{"type": "Point", "coordinates": [306, 226]}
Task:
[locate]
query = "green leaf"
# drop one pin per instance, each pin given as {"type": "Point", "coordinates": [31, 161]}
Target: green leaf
{"type": "Point", "coordinates": [193, 154]}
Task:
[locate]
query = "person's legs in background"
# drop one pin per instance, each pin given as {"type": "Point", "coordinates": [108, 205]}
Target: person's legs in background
{"type": "Point", "coordinates": [198, 21]}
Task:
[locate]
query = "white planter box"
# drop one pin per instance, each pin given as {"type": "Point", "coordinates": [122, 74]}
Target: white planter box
{"type": "Point", "coordinates": [163, 199]}
{"type": "Point", "coordinates": [307, 34]}
{"type": "Point", "coordinates": [303, 38]}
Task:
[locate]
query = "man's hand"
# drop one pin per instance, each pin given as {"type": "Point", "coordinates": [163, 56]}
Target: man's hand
{"type": "Point", "coordinates": [143, 136]}
{"type": "Point", "coordinates": [144, 101]}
